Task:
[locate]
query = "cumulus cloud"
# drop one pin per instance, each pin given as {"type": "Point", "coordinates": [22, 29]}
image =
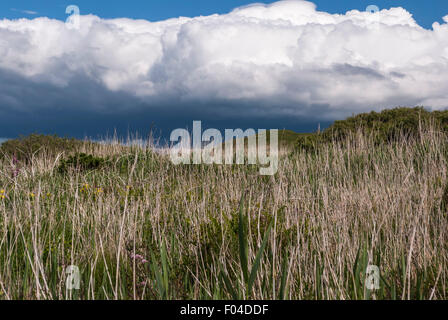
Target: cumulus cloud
{"type": "Point", "coordinates": [286, 58]}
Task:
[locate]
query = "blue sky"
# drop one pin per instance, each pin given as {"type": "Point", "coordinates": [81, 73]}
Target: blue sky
{"type": "Point", "coordinates": [425, 12]}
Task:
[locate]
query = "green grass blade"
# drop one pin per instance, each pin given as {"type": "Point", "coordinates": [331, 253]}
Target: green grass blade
{"type": "Point", "coordinates": [159, 278]}
{"type": "Point", "coordinates": [256, 265]}
{"type": "Point", "coordinates": [165, 268]}
{"type": "Point", "coordinates": [283, 289]}
{"type": "Point", "coordinates": [243, 240]}
{"type": "Point", "coordinates": [229, 286]}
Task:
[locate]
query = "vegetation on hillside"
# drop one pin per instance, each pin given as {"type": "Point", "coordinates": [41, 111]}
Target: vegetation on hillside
{"type": "Point", "coordinates": [139, 227]}
{"type": "Point", "coordinates": [384, 127]}
{"type": "Point", "coordinates": [389, 124]}
{"type": "Point", "coordinates": [26, 147]}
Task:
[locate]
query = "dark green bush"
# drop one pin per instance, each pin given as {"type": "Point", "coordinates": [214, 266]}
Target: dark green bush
{"type": "Point", "coordinates": [24, 148]}
{"type": "Point", "coordinates": [82, 162]}
{"type": "Point", "coordinates": [385, 126]}
{"type": "Point", "coordinates": [389, 124]}
{"type": "Point", "coordinates": [309, 143]}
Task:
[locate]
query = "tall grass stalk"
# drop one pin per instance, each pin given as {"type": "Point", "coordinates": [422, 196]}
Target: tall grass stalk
{"type": "Point", "coordinates": [142, 228]}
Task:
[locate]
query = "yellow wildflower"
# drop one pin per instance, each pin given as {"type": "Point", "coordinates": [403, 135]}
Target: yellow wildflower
{"type": "Point", "coordinates": [85, 187]}
{"type": "Point", "coordinates": [2, 191]}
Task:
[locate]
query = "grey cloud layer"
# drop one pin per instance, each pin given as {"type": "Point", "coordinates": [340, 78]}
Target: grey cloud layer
{"type": "Point", "coordinates": [281, 59]}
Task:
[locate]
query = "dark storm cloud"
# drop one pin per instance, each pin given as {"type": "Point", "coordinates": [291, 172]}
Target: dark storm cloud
{"type": "Point", "coordinates": [85, 108]}
{"type": "Point", "coordinates": [283, 65]}
{"type": "Point", "coordinates": [350, 70]}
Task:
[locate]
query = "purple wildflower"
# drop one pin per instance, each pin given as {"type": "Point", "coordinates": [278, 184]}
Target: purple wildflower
{"type": "Point", "coordinates": [137, 256]}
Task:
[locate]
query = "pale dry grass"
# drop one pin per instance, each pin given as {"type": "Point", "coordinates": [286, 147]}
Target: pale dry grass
{"type": "Point", "coordinates": [333, 212]}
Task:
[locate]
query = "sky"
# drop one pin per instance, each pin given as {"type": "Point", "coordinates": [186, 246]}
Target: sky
{"type": "Point", "coordinates": [135, 65]}
{"type": "Point", "coordinates": [425, 12]}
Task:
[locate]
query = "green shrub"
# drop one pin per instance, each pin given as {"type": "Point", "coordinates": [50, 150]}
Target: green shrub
{"type": "Point", "coordinates": [309, 143]}
{"type": "Point", "coordinates": [24, 148]}
{"type": "Point", "coordinates": [385, 126]}
{"type": "Point", "coordinates": [82, 162]}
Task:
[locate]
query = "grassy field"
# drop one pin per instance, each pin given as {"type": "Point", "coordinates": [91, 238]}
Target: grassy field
{"type": "Point", "coordinates": [139, 227]}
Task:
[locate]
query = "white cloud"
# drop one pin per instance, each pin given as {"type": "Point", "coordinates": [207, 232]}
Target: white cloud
{"type": "Point", "coordinates": [286, 57]}
{"type": "Point", "coordinates": [30, 12]}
